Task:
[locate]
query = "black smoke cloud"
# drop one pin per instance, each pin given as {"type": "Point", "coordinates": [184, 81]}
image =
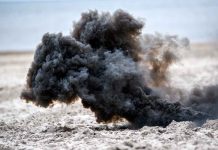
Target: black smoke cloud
{"type": "Point", "coordinates": [105, 63]}
{"type": "Point", "coordinates": [205, 99]}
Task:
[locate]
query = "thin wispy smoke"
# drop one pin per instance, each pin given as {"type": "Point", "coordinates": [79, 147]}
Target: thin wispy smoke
{"type": "Point", "coordinates": [111, 67]}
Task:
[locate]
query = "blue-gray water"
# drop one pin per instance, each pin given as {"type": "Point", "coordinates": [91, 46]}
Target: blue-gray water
{"type": "Point", "coordinates": [23, 22]}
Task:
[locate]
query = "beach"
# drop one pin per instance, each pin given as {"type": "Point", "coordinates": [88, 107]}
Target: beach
{"type": "Point", "coordinates": [26, 126]}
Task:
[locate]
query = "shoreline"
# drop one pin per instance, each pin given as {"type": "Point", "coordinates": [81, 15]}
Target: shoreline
{"type": "Point", "coordinates": [199, 45]}
{"type": "Point", "coordinates": [13, 52]}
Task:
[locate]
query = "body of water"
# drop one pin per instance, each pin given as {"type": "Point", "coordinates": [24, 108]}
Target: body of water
{"type": "Point", "coordinates": [22, 23]}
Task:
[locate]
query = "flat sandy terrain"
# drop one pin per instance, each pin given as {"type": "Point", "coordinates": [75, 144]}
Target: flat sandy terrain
{"type": "Point", "coordinates": [25, 126]}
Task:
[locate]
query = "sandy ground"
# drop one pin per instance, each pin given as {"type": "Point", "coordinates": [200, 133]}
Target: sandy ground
{"type": "Point", "coordinates": [25, 126]}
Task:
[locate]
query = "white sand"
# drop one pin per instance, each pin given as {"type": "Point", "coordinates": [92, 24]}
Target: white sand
{"type": "Point", "coordinates": [25, 126]}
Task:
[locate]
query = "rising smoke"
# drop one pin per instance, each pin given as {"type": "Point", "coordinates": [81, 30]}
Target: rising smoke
{"type": "Point", "coordinates": [112, 68]}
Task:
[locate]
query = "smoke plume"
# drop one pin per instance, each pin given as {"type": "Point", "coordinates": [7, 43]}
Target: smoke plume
{"type": "Point", "coordinates": [205, 99]}
{"type": "Point", "coordinates": [112, 68]}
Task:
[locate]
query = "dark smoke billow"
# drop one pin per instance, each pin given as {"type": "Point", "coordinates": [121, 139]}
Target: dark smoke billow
{"type": "Point", "coordinates": [205, 99]}
{"type": "Point", "coordinates": [111, 67]}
